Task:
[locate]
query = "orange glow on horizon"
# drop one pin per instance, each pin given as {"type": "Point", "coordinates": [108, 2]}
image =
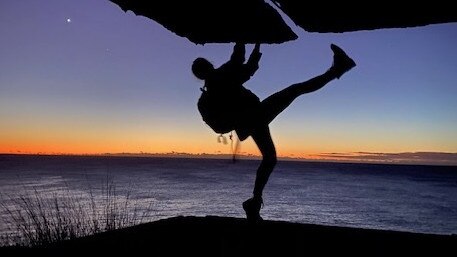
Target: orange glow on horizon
{"type": "Point", "coordinates": [112, 139]}
{"type": "Point", "coordinates": [193, 146]}
{"type": "Point", "coordinates": [353, 157]}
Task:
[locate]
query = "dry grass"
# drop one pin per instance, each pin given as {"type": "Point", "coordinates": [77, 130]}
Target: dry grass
{"type": "Point", "coordinates": [36, 218]}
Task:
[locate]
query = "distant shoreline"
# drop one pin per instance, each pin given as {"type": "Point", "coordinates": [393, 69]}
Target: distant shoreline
{"type": "Point", "coordinates": [227, 157]}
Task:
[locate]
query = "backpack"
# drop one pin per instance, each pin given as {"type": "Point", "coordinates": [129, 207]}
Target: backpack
{"type": "Point", "coordinates": [226, 111]}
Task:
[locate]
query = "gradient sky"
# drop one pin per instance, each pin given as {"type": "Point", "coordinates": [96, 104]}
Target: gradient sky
{"type": "Point", "coordinates": [82, 76]}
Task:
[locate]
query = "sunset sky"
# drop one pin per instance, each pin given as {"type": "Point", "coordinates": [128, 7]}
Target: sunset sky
{"type": "Point", "coordinates": [84, 77]}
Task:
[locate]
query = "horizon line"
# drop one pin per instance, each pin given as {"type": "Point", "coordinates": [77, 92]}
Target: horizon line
{"type": "Point", "coordinates": [400, 158]}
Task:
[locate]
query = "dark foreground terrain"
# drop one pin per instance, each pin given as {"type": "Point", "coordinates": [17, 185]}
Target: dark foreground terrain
{"type": "Point", "coordinates": [222, 236]}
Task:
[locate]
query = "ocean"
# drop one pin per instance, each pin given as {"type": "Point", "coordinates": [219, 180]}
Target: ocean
{"type": "Point", "coordinates": [390, 197]}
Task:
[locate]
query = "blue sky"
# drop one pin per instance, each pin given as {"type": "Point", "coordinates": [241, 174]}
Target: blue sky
{"type": "Point", "coordinates": [110, 81]}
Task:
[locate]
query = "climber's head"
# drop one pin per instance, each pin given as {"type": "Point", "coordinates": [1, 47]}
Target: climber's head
{"type": "Point", "coordinates": [202, 68]}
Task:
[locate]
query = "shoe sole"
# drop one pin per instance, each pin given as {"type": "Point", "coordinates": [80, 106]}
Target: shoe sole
{"type": "Point", "coordinates": [250, 217]}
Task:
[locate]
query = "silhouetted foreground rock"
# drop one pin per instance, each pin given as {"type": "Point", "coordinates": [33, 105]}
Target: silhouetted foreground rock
{"type": "Point", "coordinates": [255, 21]}
{"type": "Point", "coordinates": [221, 236]}
{"type": "Point", "coordinates": [350, 15]}
{"type": "Point", "coordinates": [222, 21]}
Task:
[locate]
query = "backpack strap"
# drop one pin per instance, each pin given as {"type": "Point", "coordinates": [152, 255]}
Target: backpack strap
{"type": "Point", "coordinates": [222, 139]}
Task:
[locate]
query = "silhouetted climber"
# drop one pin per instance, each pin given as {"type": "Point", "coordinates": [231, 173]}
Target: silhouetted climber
{"type": "Point", "coordinates": [250, 116]}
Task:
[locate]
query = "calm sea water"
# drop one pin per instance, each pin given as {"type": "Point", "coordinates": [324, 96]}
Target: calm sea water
{"type": "Point", "coordinates": [393, 197]}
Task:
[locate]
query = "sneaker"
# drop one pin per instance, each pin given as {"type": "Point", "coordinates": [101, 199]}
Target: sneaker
{"type": "Point", "coordinates": [342, 63]}
{"type": "Point", "coordinates": [252, 209]}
